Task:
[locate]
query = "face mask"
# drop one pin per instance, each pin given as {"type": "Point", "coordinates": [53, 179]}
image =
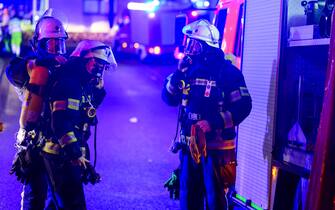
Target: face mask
{"type": "Point", "coordinates": [96, 67]}
{"type": "Point", "coordinates": [193, 47]}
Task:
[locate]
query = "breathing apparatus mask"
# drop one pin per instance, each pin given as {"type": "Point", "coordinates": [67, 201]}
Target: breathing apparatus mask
{"type": "Point", "coordinates": [193, 47]}
{"type": "Point", "coordinates": [96, 67]}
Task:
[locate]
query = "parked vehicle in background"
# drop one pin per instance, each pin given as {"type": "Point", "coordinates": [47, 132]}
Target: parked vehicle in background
{"type": "Point", "coordinates": [149, 29]}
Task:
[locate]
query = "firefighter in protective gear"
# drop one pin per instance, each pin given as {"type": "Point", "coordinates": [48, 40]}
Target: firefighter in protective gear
{"type": "Point", "coordinates": [31, 76]}
{"type": "Point", "coordinates": [72, 94]}
{"type": "Point", "coordinates": [214, 98]}
{"type": "Point", "coordinates": [33, 73]}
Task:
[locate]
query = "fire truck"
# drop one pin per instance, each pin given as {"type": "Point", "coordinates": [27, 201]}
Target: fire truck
{"type": "Point", "coordinates": [229, 19]}
{"type": "Point", "coordinates": [285, 153]}
{"type": "Point", "coordinates": [284, 150]}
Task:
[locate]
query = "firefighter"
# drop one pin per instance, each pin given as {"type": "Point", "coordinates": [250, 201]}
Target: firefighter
{"type": "Point", "coordinates": [72, 100]}
{"type": "Point", "coordinates": [213, 99]}
{"type": "Point", "coordinates": [31, 76]}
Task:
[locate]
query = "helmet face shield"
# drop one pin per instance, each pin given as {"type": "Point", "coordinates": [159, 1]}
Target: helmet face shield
{"type": "Point", "coordinates": [193, 47]}
{"type": "Point", "coordinates": [55, 46]}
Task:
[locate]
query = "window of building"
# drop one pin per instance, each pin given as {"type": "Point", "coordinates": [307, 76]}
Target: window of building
{"type": "Point", "coordinates": [96, 7]}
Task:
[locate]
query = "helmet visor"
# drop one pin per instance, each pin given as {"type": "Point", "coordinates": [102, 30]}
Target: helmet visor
{"type": "Point", "coordinates": [55, 46]}
{"type": "Point", "coordinates": [193, 47]}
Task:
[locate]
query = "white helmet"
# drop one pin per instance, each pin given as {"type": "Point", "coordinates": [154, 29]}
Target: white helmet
{"type": "Point", "coordinates": [95, 49]}
{"type": "Point", "coordinates": [203, 30]}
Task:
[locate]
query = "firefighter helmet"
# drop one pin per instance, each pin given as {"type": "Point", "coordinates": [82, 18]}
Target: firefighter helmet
{"type": "Point", "coordinates": [95, 49]}
{"type": "Point", "coordinates": [98, 55]}
{"type": "Point", "coordinates": [49, 27]}
{"type": "Point", "coordinates": [50, 35]}
{"type": "Point", "coordinates": [203, 30]}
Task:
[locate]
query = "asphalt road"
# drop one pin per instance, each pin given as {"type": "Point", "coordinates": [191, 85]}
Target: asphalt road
{"type": "Point", "coordinates": [134, 133]}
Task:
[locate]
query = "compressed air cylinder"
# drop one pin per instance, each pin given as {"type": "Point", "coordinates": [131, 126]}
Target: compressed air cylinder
{"type": "Point", "coordinates": [33, 100]}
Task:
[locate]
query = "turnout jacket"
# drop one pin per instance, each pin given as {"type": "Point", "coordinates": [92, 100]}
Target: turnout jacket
{"type": "Point", "coordinates": [73, 100]}
{"type": "Point", "coordinates": [214, 90]}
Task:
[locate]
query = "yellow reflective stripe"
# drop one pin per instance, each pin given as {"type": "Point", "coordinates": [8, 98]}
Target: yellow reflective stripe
{"type": "Point", "coordinates": [235, 96]}
{"type": "Point", "coordinates": [221, 145]}
{"type": "Point", "coordinates": [68, 138]}
{"type": "Point", "coordinates": [59, 105]}
{"type": "Point", "coordinates": [73, 104]}
{"type": "Point", "coordinates": [51, 148]}
{"type": "Point", "coordinates": [182, 84]}
{"type": "Point", "coordinates": [244, 91]}
{"type": "Point", "coordinates": [228, 119]}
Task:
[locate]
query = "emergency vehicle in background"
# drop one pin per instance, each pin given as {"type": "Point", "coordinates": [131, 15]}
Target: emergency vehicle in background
{"type": "Point", "coordinates": [148, 29]}
{"type": "Point", "coordinates": [281, 153]}
{"type": "Point", "coordinates": [229, 19]}
{"type": "Point", "coordinates": [154, 27]}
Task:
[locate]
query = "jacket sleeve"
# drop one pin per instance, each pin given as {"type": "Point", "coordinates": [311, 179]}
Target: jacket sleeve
{"type": "Point", "coordinates": [171, 94]}
{"type": "Point", "coordinates": [65, 104]}
{"type": "Point", "coordinates": [237, 101]}
{"type": "Point", "coordinates": [98, 96]}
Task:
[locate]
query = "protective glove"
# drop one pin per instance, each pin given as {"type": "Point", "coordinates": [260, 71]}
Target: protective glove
{"type": "Point", "coordinates": [184, 63]}
{"type": "Point", "coordinates": [175, 147]}
{"type": "Point", "coordinates": [179, 75]}
{"type": "Point", "coordinates": [72, 151]}
{"type": "Point", "coordinates": [173, 184]}
{"type": "Point", "coordinates": [176, 79]}
{"type": "Point", "coordinates": [26, 155]}
{"type": "Point", "coordinates": [89, 175]}
{"type": "Point", "coordinates": [22, 165]}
